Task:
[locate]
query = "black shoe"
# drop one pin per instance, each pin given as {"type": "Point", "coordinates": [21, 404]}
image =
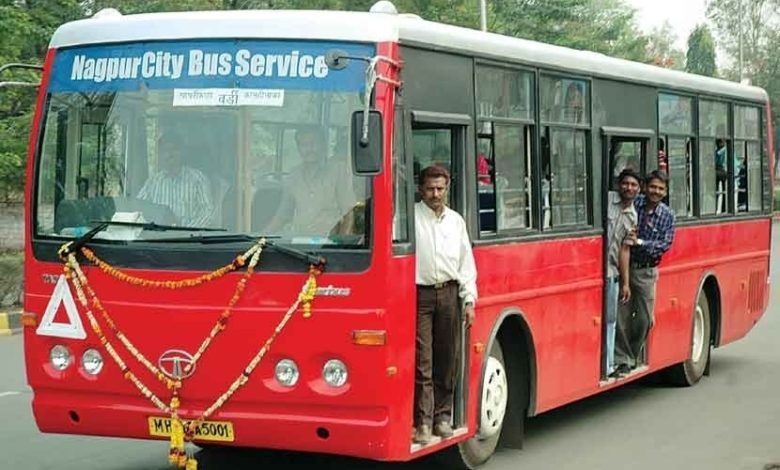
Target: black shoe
{"type": "Point", "coordinates": [620, 371]}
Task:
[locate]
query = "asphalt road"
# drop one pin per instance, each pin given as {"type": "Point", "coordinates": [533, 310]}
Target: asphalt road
{"type": "Point", "coordinates": [729, 421]}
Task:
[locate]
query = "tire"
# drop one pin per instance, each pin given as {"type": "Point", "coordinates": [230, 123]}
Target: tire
{"type": "Point", "coordinates": [689, 372]}
{"type": "Point", "coordinates": [474, 452]}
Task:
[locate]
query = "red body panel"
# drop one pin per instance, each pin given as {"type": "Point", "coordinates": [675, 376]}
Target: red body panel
{"type": "Point", "coordinates": [556, 285]}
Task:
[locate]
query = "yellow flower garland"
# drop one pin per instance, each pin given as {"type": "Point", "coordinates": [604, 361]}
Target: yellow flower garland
{"type": "Point", "coordinates": [181, 433]}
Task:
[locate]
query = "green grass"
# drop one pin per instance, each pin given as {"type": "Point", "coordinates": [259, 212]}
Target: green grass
{"type": "Point", "coordinates": [776, 206]}
{"type": "Point", "coordinates": [11, 272]}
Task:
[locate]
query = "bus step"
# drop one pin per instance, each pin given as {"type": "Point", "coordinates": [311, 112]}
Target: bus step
{"type": "Point", "coordinates": [436, 439]}
{"type": "Point", "coordinates": [611, 380]}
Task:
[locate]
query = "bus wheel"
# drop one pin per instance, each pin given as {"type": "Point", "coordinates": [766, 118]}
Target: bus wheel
{"type": "Point", "coordinates": [495, 394]}
{"type": "Point", "coordinates": [689, 372]}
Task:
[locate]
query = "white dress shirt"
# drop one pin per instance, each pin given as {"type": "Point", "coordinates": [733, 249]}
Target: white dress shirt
{"type": "Point", "coordinates": [444, 251]}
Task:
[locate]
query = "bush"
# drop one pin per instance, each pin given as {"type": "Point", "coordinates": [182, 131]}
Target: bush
{"type": "Point", "coordinates": [11, 277]}
{"type": "Point", "coordinates": [776, 205]}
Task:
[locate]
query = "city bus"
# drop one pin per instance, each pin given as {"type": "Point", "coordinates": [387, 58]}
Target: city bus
{"type": "Point", "coordinates": [220, 244]}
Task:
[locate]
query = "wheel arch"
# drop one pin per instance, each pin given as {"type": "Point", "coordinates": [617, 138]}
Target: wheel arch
{"type": "Point", "coordinates": [512, 331]}
{"type": "Point", "coordinates": [711, 287]}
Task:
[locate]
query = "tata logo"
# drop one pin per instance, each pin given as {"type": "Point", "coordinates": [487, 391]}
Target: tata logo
{"type": "Point", "coordinates": [50, 278]}
{"type": "Point", "coordinates": [173, 363]}
{"type": "Point", "coordinates": [331, 291]}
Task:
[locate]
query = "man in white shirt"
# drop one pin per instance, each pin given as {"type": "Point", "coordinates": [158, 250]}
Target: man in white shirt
{"type": "Point", "coordinates": [446, 281]}
{"type": "Point", "coordinates": [182, 188]}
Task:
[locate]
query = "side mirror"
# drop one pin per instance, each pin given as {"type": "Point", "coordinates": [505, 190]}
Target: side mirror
{"type": "Point", "coordinates": [367, 152]}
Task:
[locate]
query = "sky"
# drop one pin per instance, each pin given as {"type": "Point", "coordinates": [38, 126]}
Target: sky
{"type": "Point", "coordinates": [683, 15]}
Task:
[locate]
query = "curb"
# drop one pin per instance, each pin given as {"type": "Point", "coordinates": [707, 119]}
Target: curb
{"type": "Point", "coordinates": [10, 323]}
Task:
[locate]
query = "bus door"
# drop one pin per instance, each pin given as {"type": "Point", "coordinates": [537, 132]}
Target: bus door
{"type": "Point", "coordinates": [441, 140]}
{"type": "Point", "coordinates": [623, 148]}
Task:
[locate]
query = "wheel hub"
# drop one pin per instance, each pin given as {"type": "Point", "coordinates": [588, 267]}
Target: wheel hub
{"type": "Point", "coordinates": [494, 398]}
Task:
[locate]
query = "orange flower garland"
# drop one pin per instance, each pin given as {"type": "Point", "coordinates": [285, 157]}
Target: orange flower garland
{"type": "Point", "coordinates": [182, 433]}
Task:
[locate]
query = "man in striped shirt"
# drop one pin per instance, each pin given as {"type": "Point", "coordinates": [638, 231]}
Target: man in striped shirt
{"type": "Point", "coordinates": [652, 238]}
{"type": "Point", "coordinates": [185, 190]}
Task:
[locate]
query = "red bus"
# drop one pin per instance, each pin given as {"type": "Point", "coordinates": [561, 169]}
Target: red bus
{"type": "Point", "coordinates": [192, 176]}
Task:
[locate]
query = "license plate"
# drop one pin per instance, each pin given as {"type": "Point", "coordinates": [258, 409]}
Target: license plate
{"type": "Point", "coordinates": [220, 431]}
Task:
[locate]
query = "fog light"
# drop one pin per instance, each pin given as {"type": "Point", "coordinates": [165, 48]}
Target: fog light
{"type": "Point", "coordinates": [287, 372]}
{"type": "Point", "coordinates": [92, 361]}
{"type": "Point", "coordinates": [59, 356]}
{"type": "Point", "coordinates": [335, 373]}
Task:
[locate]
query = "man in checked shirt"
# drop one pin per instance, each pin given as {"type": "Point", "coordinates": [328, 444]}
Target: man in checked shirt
{"type": "Point", "coordinates": [649, 242]}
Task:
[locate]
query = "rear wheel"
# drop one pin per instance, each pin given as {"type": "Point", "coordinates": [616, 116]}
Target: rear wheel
{"type": "Point", "coordinates": [689, 372]}
{"type": "Point", "coordinates": [493, 406]}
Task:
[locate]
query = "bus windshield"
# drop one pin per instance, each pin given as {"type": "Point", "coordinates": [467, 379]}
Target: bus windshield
{"type": "Point", "coordinates": [248, 137]}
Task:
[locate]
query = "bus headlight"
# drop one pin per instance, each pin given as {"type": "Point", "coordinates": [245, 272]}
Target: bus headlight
{"type": "Point", "coordinates": [60, 357]}
{"type": "Point", "coordinates": [287, 372]}
{"type": "Point", "coordinates": [334, 373]}
{"type": "Point", "coordinates": [92, 361]}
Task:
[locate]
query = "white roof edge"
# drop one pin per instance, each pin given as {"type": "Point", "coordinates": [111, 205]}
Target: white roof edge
{"type": "Point", "coordinates": [377, 27]}
{"type": "Point", "coordinates": [244, 24]}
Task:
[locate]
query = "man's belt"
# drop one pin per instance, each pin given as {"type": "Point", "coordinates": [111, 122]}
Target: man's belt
{"type": "Point", "coordinates": [438, 285]}
{"type": "Point", "coordinates": [645, 264]}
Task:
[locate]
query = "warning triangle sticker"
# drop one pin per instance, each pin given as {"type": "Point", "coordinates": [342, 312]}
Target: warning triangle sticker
{"type": "Point", "coordinates": [62, 297]}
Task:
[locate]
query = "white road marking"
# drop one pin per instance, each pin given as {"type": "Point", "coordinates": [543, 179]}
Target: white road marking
{"type": "Point", "coordinates": [8, 394]}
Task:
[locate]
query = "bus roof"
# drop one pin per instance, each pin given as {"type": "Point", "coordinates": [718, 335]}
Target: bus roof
{"type": "Point", "coordinates": [112, 27]}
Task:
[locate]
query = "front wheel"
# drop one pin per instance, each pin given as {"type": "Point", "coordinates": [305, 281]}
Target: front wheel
{"type": "Point", "coordinates": [493, 406]}
{"type": "Point", "coordinates": [689, 372]}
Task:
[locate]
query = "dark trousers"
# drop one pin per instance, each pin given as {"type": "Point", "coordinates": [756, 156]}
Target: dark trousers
{"type": "Point", "coordinates": [438, 345]}
{"type": "Point", "coordinates": [636, 317]}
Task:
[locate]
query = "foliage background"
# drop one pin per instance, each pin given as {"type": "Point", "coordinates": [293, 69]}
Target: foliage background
{"type": "Point", "coordinates": [605, 26]}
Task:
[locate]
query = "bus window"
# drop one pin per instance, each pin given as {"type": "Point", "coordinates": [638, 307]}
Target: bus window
{"type": "Point", "coordinates": [676, 130]}
{"type": "Point", "coordinates": [678, 153]}
{"type": "Point", "coordinates": [747, 159]}
{"type": "Point", "coordinates": [506, 111]}
{"type": "Point", "coordinates": [714, 150]}
{"type": "Point", "coordinates": [434, 147]}
{"type": "Point", "coordinates": [624, 153]}
{"type": "Point", "coordinates": [565, 109]}
{"type": "Point", "coordinates": [566, 175]}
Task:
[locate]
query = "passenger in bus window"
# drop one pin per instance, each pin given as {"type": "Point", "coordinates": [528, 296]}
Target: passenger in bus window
{"type": "Point", "coordinates": [663, 159]}
{"type": "Point", "coordinates": [185, 190]}
{"type": "Point", "coordinates": [621, 220]}
{"type": "Point", "coordinates": [318, 197]}
{"type": "Point", "coordinates": [721, 173]}
{"type": "Point", "coordinates": [446, 283]}
{"type": "Point", "coordinates": [652, 238]}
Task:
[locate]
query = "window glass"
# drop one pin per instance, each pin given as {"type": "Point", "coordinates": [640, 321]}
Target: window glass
{"type": "Point", "coordinates": [400, 200]}
{"type": "Point", "coordinates": [624, 154]}
{"type": "Point", "coordinates": [568, 177]}
{"type": "Point", "coordinates": [713, 119]}
{"type": "Point", "coordinates": [740, 176]}
{"type": "Point", "coordinates": [510, 177]}
{"type": "Point", "coordinates": [504, 93]}
{"type": "Point", "coordinates": [754, 176]}
{"type": "Point", "coordinates": [707, 179]}
{"type": "Point", "coordinates": [679, 170]}
{"type": "Point", "coordinates": [746, 122]}
{"type": "Point", "coordinates": [675, 114]}
{"type": "Point", "coordinates": [565, 100]}
{"type": "Point", "coordinates": [434, 147]}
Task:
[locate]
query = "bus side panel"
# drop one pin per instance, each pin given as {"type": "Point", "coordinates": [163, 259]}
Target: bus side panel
{"type": "Point", "coordinates": [735, 254]}
{"type": "Point", "coordinates": [557, 285]}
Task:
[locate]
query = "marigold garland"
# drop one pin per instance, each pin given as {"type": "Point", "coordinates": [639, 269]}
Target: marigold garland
{"type": "Point", "coordinates": [180, 450]}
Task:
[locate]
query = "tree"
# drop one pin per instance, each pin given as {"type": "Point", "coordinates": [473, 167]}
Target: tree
{"type": "Point", "coordinates": [605, 26]}
{"type": "Point", "coordinates": [744, 25]}
{"type": "Point", "coordinates": [661, 50]}
{"type": "Point", "coordinates": [701, 52]}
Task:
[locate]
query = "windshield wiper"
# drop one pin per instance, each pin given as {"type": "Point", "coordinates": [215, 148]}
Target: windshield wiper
{"type": "Point", "coordinates": [76, 245]}
{"type": "Point", "coordinates": [309, 257]}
